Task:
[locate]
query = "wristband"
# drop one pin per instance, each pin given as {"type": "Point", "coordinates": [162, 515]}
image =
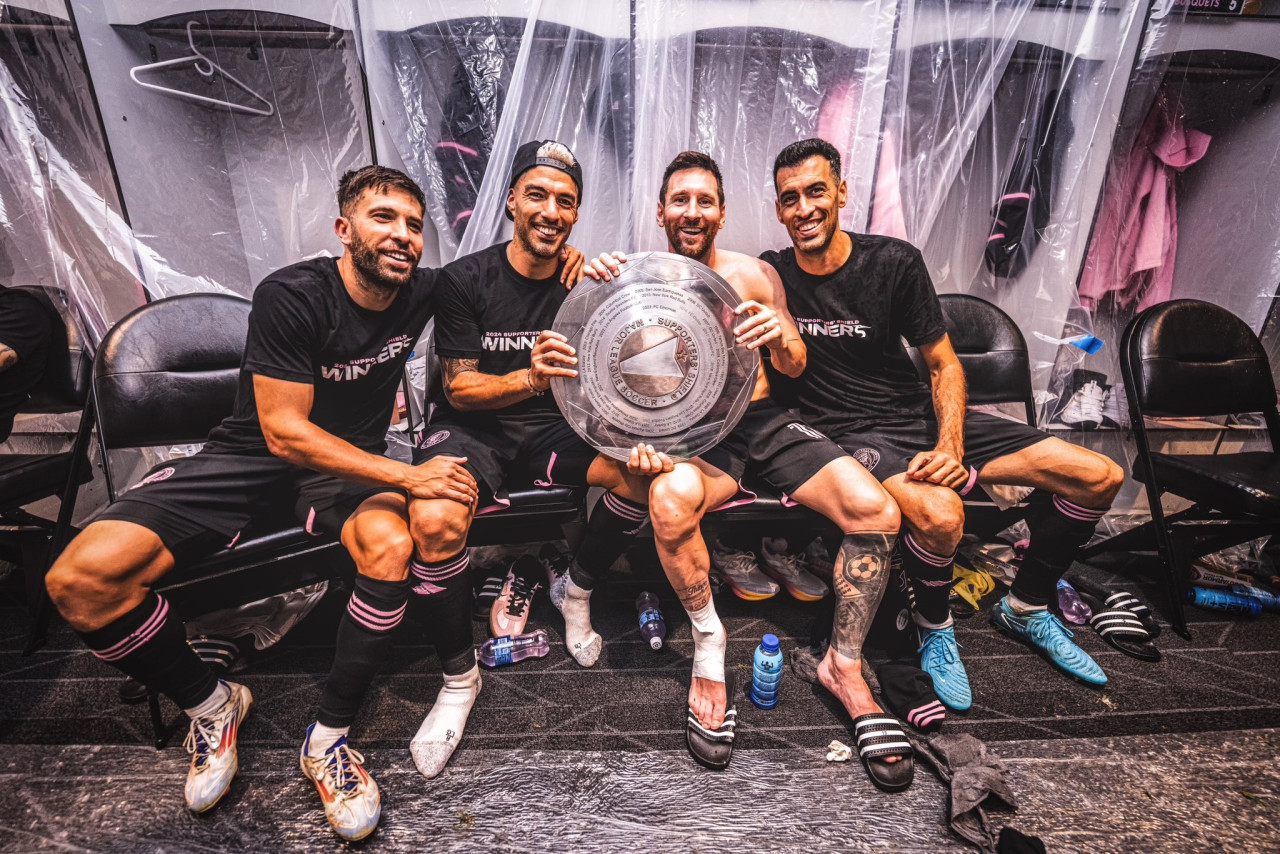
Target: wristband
{"type": "Point", "coordinates": [528, 378]}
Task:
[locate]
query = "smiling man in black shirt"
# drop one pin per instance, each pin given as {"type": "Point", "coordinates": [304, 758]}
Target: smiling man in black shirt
{"type": "Point", "coordinates": [327, 344]}
{"type": "Point", "coordinates": [855, 297]}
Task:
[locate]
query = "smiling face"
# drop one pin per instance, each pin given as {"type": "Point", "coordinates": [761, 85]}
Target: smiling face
{"type": "Point", "coordinates": [383, 236]}
{"type": "Point", "coordinates": [544, 205]}
{"type": "Point", "coordinates": [809, 200]}
{"type": "Point", "coordinates": [692, 213]}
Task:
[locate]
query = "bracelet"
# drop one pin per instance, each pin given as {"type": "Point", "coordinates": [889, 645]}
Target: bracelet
{"type": "Point", "coordinates": [528, 378]}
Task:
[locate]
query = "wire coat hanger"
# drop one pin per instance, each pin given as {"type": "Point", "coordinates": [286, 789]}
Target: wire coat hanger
{"type": "Point", "coordinates": [206, 68]}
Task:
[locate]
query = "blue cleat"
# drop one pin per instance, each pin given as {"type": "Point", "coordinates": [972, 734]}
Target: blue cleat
{"type": "Point", "coordinates": [1044, 632]}
{"type": "Point", "coordinates": [940, 658]}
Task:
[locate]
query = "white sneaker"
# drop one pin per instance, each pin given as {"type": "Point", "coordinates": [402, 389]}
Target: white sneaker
{"type": "Point", "coordinates": [352, 802]}
{"type": "Point", "coordinates": [1115, 412]}
{"type": "Point", "coordinates": [211, 741]}
{"type": "Point", "coordinates": [787, 570]}
{"type": "Point", "coordinates": [1084, 409]}
{"type": "Point", "coordinates": [741, 572]}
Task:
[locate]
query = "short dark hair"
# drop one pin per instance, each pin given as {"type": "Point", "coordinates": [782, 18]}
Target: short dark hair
{"type": "Point", "coordinates": [378, 179]}
{"type": "Point", "coordinates": [691, 160]}
{"type": "Point", "coordinates": [798, 152]}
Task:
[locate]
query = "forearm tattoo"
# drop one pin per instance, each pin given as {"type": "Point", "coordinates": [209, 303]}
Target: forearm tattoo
{"type": "Point", "coordinates": [861, 574]}
{"type": "Point", "coordinates": [454, 368]}
{"type": "Point", "coordinates": [695, 596]}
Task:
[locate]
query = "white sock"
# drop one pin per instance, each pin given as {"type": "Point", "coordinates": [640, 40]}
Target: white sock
{"type": "Point", "coordinates": [1019, 607]}
{"type": "Point", "coordinates": [709, 642]}
{"type": "Point", "coordinates": [582, 641]}
{"type": "Point", "coordinates": [925, 624]}
{"type": "Point", "coordinates": [323, 737]}
{"type": "Point", "coordinates": [442, 729]}
{"type": "Point", "coordinates": [216, 701]}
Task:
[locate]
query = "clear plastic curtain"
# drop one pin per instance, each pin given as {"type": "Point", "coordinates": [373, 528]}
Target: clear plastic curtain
{"type": "Point", "coordinates": [458, 90]}
{"type": "Point", "coordinates": [60, 223]}
{"type": "Point", "coordinates": [994, 119]}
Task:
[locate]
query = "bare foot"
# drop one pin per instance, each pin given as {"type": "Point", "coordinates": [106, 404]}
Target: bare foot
{"type": "Point", "coordinates": [708, 701]}
{"type": "Point", "coordinates": [843, 678]}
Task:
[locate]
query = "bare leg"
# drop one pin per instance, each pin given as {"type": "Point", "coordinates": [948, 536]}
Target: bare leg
{"type": "Point", "coordinates": [677, 502]}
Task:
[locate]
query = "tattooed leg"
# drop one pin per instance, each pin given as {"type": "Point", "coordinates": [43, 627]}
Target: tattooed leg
{"type": "Point", "coordinates": [861, 574]}
{"type": "Point", "coordinates": [677, 502]}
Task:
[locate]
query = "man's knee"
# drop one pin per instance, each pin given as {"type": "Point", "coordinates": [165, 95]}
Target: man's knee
{"type": "Point", "coordinates": [676, 503]}
{"type": "Point", "coordinates": [868, 507]}
{"type": "Point", "coordinates": [380, 545]}
{"type": "Point", "coordinates": [1106, 481]}
{"type": "Point", "coordinates": [439, 528]}
{"type": "Point", "coordinates": [939, 518]}
{"type": "Point", "coordinates": [100, 572]}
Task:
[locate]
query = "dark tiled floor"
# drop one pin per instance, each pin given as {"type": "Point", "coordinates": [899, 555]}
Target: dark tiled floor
{"type": "Point", "coordinates": [560, 758]}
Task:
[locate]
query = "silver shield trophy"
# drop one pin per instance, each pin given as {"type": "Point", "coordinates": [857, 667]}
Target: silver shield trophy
{"type": "Point", "coordinates": [657, 362]}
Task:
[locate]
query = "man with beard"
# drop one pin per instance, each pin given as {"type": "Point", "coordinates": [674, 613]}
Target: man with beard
{"type": "Point", "coordinates": [793, 458]}
{"type": "Point", "coordinates": [327, 343]}
{"type": "Point", "coordinates": [498, 356]}
{"type": "Point", "coordinates": [856, 297]}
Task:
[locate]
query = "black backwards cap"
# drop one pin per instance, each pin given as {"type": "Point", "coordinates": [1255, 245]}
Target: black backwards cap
{"type": "Point", "coordinates": [545, 152]}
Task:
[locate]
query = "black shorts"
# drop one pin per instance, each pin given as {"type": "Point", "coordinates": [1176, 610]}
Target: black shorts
{"type": "Point", "coordinates": [539, 449]}
{"type": "Point", "coordinates": [888, 448]}
{"type": "Point", "coordinates": [202, 503]}
{"type": "Point", "coordinates": [775, 445]}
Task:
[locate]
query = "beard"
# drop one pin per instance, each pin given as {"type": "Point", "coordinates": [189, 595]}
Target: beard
{"type": "Point", "coordinates": [818, 242]}
{"type": "Point", "coordinates": [681, 245]}
{"type": "Point", "coordinates": [372, 267]}
{"type": "Point", "coordinates": [536, 245]}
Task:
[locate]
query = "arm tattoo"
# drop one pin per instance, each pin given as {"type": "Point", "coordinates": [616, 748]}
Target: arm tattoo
{"type": "Point", "coordinates": [861, 574]}
{"type": "Point", "coordinates": [695, 596]}
{"type": "Point", "coordinates": [8, 357]}
{"type": "Point", "coordinates": [454, 368]}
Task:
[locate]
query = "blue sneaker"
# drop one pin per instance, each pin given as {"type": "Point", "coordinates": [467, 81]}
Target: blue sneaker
{"type": "Point", "coordinates": [940, 658]}
{"type": "Point", "coordinates": [1044, 632]}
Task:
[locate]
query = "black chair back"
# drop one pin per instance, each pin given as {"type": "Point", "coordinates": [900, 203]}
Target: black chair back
{"type": "Point", "coordinates": [991, 349]}
{"type": "Point", "coordinates": [167, 373]}
{"type": "Point", "coordinates": [65, 384]}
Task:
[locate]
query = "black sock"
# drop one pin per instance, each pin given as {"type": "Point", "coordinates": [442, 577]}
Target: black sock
{"type": "Point", "coordinates": [150, 644]}
{"type": "Point", "coordinates": [613, 522]}
{"type": "Point", "coordinates": [1057, 533]}
{"type": "Point", "coordinates": [442, 604]}
{"type": "Point", "coordinates": [375, 608]}
{"type": "Point", "coordinates": [930, 576]}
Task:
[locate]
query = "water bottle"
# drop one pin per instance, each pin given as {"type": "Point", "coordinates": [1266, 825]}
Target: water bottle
{"type": "Point", "coordinates": [1268, 600]}
{"type": "Point", "coordinates": [766, 673]}
{"type": "Point", "coordinates": [1222, 600]}
{"type": "Point", "coordinates": [1073, 608]}
{"type": "Point", "coordinates": [507, 649]}
{"type": "Point", "coordinates": [652, 627]}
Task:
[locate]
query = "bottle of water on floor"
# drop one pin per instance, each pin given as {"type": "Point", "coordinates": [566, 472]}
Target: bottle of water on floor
{"type": "Point", "coordinates": [507, 649]}
{"type": "Point", "coordinates": [766, 673]}
{"type": "Point", "coordinates": [1221, 600]}
{"type": "Point", "coordinates": [1073, 608]}
{"type": "Point", "coordinates": [652, 627]}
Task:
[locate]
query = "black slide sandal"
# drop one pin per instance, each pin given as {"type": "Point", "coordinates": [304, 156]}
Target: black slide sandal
{"type": "Point", "coordinates": [878, 736]}
{"type": "Point", "coordinates": [713, 748]}
{"type": "Point", "coordinates": [1121, 629]}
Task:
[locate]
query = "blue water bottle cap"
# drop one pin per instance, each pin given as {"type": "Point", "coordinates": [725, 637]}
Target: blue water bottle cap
{"type": "Point", "coordinates": [769, 643]}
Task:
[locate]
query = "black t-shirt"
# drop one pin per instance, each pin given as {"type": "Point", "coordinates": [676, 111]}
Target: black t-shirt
{"type": "Point", "coordinates": [486, 310]}
{"type": "Point", "coordinates": [853, 322]}
{"type": "Point", "coordinates": [305, 328]}
{"type": "Point", "coordinates": [25, 328]}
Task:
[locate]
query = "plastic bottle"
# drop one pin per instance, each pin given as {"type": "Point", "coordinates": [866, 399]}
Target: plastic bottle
{"type": "Point", "coordinates": [1221, 600]}
{"type": "Point", "coordinates": [766, 673]}
{"type": "Point", "coordinates": [507, 649]}
{"type": "Point", "coordinates": [652, 627]}
{"type": "Point", "coordinates": [1269, 601]}
{"type": "Point", "coordinates": [1073, 608]}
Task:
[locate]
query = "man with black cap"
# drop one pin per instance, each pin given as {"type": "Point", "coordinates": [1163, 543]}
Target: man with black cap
{"type": "Point", "coordinates": [498, 354]}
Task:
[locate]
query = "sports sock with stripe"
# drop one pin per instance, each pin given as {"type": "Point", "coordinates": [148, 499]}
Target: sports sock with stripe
{"type": "Point", "coordinates": [374, 610]}
{"type": "Point", "coordinates": [1057, 533]}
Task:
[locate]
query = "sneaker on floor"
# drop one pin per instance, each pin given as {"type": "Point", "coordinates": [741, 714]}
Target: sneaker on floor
{"type": "Point", "coordinates": [818, 562]}
{"type": "Point", "coordinates": [788, 570]}
{"type": "Point", "coordinates": [1084, 409]}
{"type": "Point", "coordinates": [484, 595]}
{"type": "Point", "coordinates": [940, 658]}
{"type": "Point", "coordinates": [556, 563]}
{"type": "Point", "coordinates": [211, 741]}
{"type": "Point", "coordinates": [352, 802]}
{"type": "Point", "coordinates": [510, 611]}
{"type": "Point", "coordinates": [741, 572]}
{"type": "Point", "coordinates": [1045, 632]}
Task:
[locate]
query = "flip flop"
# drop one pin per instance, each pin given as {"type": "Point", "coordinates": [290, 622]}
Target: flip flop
{"type": "Point", "coordinates": [1120, 628]}
{"type": "Point", "coordinates": [713, 748]}
{"type": "Point", "coordinates": [879, 736]}
{"type": "Point", "coordinates": [1120, 599]}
